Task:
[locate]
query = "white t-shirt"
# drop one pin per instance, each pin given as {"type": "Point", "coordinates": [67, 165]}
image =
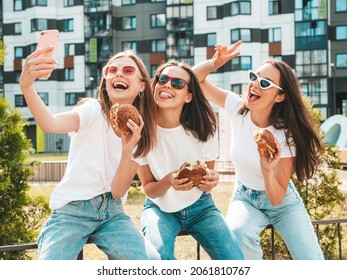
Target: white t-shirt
{"type": "Point", "coordinates": [244, 153]}
{"type": "Point", "coordinates": [174, 147]}
{"type": "Point", "coordinates": [94, 155]}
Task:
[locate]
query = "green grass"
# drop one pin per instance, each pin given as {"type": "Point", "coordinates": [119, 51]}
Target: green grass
{"type": "Point", "coordinates": [48, 157]}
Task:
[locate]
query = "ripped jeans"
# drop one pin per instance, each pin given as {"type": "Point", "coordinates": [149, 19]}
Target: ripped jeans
{"type": "Point", "coordinates": [250, 211]}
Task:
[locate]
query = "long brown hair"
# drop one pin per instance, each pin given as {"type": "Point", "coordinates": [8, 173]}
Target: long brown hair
{"type": "Point", "coordinates": [293, 116]}
{"type": "Point", "coordinates": [197, 116]}
{"type": "Point", "coordinates": [144, 102]}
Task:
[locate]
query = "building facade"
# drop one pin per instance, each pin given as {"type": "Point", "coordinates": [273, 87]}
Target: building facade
{"type": "Point", "coordinates": [311, 36]}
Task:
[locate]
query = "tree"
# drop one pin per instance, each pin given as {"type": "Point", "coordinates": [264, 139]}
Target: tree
{"type": "Point", "coordinates": [322, 198]}
{"type": "Point", "coordinates": [19, 214]}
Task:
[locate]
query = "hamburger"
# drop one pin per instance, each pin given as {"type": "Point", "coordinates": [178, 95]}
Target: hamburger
{"type": "Point", "coordinates": [266, 143]}
{"type": "Point", "coordinates": [120, 115]}
{"type": "Point", "coordinates": [193, 171]}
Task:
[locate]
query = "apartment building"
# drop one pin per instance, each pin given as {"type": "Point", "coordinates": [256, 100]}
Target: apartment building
{"type": "Point", "coordinates": [311, 36]}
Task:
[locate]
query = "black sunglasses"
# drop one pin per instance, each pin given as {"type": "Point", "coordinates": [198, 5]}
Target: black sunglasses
{"type": "Point", "coordinates": [176, 83]}
{"type": "Point", "coordinates": [264, 83]}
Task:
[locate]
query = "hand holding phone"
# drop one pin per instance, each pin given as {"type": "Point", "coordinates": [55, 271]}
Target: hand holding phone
{"type": "Point", "coordinates": [48, 38]}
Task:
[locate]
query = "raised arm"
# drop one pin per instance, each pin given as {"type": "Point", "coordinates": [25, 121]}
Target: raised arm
{"type": "Point", "coordinates": [203, 69]}
{"type": "Point", "coordinates": [34, 68]}
{"type": "Point", "coordinates": [127, 166]}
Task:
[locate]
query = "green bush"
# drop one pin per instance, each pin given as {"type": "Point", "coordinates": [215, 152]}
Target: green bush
{"type": "Point", "coordinates": [19, 214]}
{"type": "Point", "coordinates": [322, 198]}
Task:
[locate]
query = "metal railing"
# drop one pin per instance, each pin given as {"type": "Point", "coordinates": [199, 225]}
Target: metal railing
{"type": "Point", "coordinates": [316, 224]}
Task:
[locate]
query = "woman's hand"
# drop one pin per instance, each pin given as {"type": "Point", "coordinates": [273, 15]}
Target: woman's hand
{"type": "Point", "coordinates": [130, 141]}
{"type": "Point", "coordinates": [210, 181]}
{"type": "Point", "coordinates": [223, 54]}
{"type": "Point", "coordinates": [180, 184]}
{"type": "Point", "coordinates": [269, 164]}
{"type": "Point", "coordinates": [36, 67]}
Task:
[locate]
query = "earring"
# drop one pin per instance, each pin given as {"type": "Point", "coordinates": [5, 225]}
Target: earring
{"type": "Point", "coordinates": [141, 94]}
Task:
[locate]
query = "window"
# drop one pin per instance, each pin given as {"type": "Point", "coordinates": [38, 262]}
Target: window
{"type": "Point", "coordinates": [44, 97]}
{"type": "Point", "coordinates": [18, 5]}
{"type": "Point", "coordinates": [241, 63]}
{"type": "Point", "coordinates": [129, 45]}
{"type": "Point", "coordinates": [341, 32]}
{"type": "Point", "coordinates": [18, 28]}
{"type": "Point", "coordinates": [211, 39]}
{"type": "Point", "coordinates": [71, 98]}
{"type": "Point", "coordinates": [32, 48]}
{"type": "Point", "coordinates": [68, 25]}
{"type": "Point", "coordinates": [69, 3]}
{"type": "Point", "coordinates": [18, 52]}
{"type": "Point", "coordinates": [128, 2]}
{"type": "Point", "coordinates": [128, 23]}
{"type": "Point", "coordinates": [19, 101]}
{"type": "Point", "coordinates": [39, 24]}
{"type": "Point", "coordinates": [316, 89]}
{"type": "Point", "coordinates": [69, 74]}
{"type": "Point", "coordinates": [69, 49]}
{"type": "Point", "coordinates": [158, 20]}
{"type": "Point", "coordinates": [154, 67]}
{"type": "Point", "coordinates": [277, 57]}
{"type": "Point", "coordinates": [340, 6]}
{"type": "Point", "coordinates": [240, 8]}
{"type": "Point", "coordinates": [158, 45]}
{"type": "Point", "coordinates": [341, 60]}
{"type": "Point", "coordinates": [38, 3]}
{"type": "Point", "coordinates": [275, 35]}
{"type": "Point", "coordinates": [311, 63]}
{"type": "Point", "coordinates": [212, 12]}
{"type": "Point", "coordinates": [274, 7]}
{"type": "Point", "coordinates": [241, 34]}
{"type": "Point", "coordinates": [237, 88]}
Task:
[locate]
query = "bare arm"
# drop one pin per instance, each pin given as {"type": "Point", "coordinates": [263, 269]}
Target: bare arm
{"type": "Point", "coordinates": [35, 67]}
{"type": "Point", "coordinates": [210, 180]}
{"type": "Point", "coordinates": [203, 69]}
{"type": "Point", "coordinates": [127, 167]}
{"type": "Point", "coordinates": [154, 188]}
{"type": "Point", "coordinates": [277, 173]}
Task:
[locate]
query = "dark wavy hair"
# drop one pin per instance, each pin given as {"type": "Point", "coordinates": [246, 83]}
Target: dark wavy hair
{"type": "Point", "coordinates": [293, 116]}
{"type": "Point", "coordinates": [197, 116]}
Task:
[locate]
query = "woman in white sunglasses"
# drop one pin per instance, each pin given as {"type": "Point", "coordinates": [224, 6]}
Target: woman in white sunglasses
{"type": "Point", "coordinates": [186, 132]}
{"type": "Point", "coordinates": [264, 193]}
{"type": "Point", "coordinates": [83, 207]}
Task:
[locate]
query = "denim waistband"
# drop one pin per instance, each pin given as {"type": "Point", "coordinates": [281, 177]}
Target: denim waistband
{"type": "Point", "coordinates": [243, 187]}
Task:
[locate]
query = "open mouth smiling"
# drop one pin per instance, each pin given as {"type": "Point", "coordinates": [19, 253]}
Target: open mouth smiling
{"type": "Point", "coordinates": [120, 85]}
{"type": "Point", "coordinates": [165, 95]}
{"type": "Point", "coordinates": [253, 96]}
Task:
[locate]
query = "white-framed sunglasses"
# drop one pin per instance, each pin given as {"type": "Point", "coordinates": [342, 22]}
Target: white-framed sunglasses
{"type": "Point", "coordinates": [263, 83]}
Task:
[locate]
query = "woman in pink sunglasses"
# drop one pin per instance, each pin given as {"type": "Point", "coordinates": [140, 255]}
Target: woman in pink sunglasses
{"type": "Point", "coordinates": [264, 193]}
{"type": "Point", "coordinates": [83, 207]}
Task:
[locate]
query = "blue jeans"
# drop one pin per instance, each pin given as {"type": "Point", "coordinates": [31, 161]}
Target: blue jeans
{"type": "Point", "coordinates": [250, 211]}
{"type": "Point", "coordinates": [202, 220]}
{"type": "Point", "coordinates": [102, 221]}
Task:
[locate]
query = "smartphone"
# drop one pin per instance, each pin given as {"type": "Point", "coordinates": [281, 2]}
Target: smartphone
{"type": "Point", "coordinates": [48, 38]}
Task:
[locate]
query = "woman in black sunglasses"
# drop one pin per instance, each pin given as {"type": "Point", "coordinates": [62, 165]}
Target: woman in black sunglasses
{"type": "Point", "coordinates": [186, 132]}
{"type": "Point", "coordinates": [264, 193]}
